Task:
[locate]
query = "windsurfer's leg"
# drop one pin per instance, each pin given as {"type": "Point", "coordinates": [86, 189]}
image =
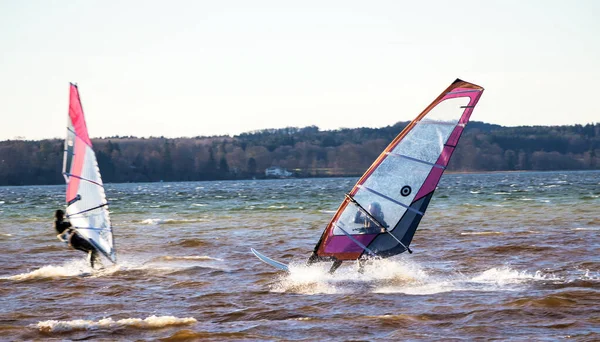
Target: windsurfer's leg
{"type": "Point", "coordinates": [361, 265]}
{"type": "Point", "coordinates": [312, 259]}
{"type": "Point", "coordinates": [336, 264]}
{"type": "Point", "coordinates": [94, 259]}
{"type": "Point", "coordinates": [91, 259]}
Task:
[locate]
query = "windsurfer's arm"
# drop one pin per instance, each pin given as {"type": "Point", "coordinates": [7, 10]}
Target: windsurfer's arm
{"type": "Point", "coordinates": [358, 218]}
{"type": "Point", "coordinates": [61, 226]}
{"type": "Point", "coordinates": [64, 237]}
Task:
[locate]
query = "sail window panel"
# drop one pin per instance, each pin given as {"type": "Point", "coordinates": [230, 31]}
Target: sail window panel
{"type": "Point", "coordinates": [424, 142]}
{"type": "Point", "coordinates": [346, 221]}
{"type": "Point", "coordinates": [394, 174]}
{"type": "Point", "coordinates": [69, 150]}
{"type": "Point", "coordinates": [352, 220]}
{"type": "Point", "coordinates": [447, 111]}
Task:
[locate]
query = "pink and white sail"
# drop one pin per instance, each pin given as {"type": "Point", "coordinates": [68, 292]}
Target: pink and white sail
{"type": "Point", "coordinates": [380, 215]}
{"type": "Point", "coordinates": [87, 207]}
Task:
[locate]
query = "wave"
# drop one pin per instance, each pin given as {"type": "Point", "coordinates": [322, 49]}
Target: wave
{"type": "Point", "coordinates": [282, 206]}
{"type": "Point", "coordinates": [586, 229]}
{"type": "Point", "coordinates": [74, 268]}
{"type": "Point", "coordinates": [191, 257]}
{"type": "Point", "coordinates": [327, 211]}
{"type": "Point", "coordinates": [157, 221]}
{"type": "Point", "coordinates": [551, 301]}
{"type": "Point", "coordinates": [481, 233]}
{"type": "Point", "coordinates": [69, 269]}
{"type": "Point", "coordinates": [315, 279]}
{"type": "Point", "coordinates": [151, 322]}
{"type": "Point", "coordinates": [494, 279]}
{"type": "Point", "coordinates": [508, 249]}
{"type": "Point", "coordinates": [401, 276]}
{"type": "Point", "coordinates": [191, 243]}
{"type": "Point", "coordinates": [507, 275]}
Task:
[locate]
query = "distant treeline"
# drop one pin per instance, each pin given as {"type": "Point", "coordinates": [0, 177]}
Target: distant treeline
{"type": "Point", "coordinates": [307, 152]}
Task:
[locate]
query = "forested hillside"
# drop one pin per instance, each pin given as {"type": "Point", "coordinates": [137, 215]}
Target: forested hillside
{"type": "Point", "coordinates": [308, 152]}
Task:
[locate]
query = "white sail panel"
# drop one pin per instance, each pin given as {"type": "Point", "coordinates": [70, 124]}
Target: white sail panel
{"type": "Point", "coordinates": [90, 213]}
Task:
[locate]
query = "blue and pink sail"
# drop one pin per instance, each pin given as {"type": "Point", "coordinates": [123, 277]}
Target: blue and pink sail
{"type": "Point", "coordinates": [381, 213]}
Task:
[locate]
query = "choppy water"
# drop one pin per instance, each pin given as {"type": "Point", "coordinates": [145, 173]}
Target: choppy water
{"type": "Point", "coordinates": [505, 255]}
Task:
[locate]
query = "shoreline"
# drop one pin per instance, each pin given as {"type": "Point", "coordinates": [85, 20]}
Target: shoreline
{"type": "Point", "coordinates": [315, 177]}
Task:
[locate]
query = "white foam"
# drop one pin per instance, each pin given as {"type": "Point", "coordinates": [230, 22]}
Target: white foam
{"type": "Point", "coordinates": [151, 322]}
{"type": "Point", "coordinates": [315, 279]}
{"type": "Point", "coordinates": [401, 276]}
{"type": "Point", "coordinates": [69, 269]}
{"type": "Point", "coordinates": [152, 221]}
{"type": "Point", "coordinates": [588, 276]}
{"type": "Point", "coordinates": [586, 228]}
{"type": "Point", "coordinates": [506, 275]}
{"type": "Point", "coordinates": [190, 257]}
{"type": "Point", "coordinates": [481, 233]}
{"type": "Point", "coordinates": [157, 221]}
{"type": "Point", "coordinates": [327, 211]}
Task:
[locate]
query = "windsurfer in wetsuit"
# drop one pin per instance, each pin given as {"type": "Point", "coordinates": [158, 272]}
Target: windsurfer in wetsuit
{"type": "Point", "coordinates": [69, 235]}
{"type": "Point", "coordinates": [370, 226]}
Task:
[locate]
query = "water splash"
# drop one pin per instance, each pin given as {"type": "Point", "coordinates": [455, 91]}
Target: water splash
{"type": "Point", "coordinates": [402, 276]}
{"type": "Point", "coordinates": [74, 268]}
{"type": "Point", "coordinates": [151, 322]}
{"type": "Point", "coordinates": [315, 279]}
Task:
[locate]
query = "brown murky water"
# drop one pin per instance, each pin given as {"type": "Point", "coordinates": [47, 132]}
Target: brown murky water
{"type": "Point", "coordinates": [497, 256]}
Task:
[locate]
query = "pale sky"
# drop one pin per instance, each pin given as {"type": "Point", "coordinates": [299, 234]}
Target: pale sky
{"type": "Point", "coordinates": [188, 68]}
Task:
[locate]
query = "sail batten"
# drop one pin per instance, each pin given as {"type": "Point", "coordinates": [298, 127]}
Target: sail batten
{"type": "Point", "coordinates": [390, 199]}
{"type": "Point", "coordinates": [398, 186]}
{"type": "Point", "coordinates": [415, 160]}
{"type": "Point", "coordinates": [87, 207]}
{"type": "Point", "coordinates": [84, 179]}
{"type": "Point", "coordinates": [463, 91]}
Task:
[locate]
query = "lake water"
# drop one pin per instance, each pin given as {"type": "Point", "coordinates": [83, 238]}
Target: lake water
{"type": "Point", "coordinates": [502, 255]}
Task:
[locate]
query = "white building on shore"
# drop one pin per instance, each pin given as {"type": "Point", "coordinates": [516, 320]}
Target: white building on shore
{"type": "Point", "coordinates": [277, 171]}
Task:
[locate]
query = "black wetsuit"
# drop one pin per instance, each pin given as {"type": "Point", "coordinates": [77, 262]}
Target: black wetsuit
{"type": "Point", "coordinates": [369, 226]}
{"type": "Point", "coordinates": [76, 241]}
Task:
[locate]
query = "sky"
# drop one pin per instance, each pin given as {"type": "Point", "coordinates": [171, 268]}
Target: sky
{"type": "Point", "coordinates": [196, 68]}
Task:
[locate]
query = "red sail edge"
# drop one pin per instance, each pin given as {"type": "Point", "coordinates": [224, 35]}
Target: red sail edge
{"type": "Point", "coordinates": [355, 250]}
{"type": "Point", "coordinates": [81, 139]}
